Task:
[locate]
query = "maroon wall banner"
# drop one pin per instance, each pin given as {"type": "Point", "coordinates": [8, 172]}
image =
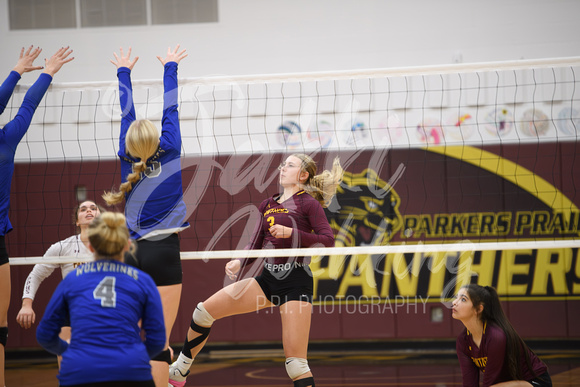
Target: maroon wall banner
{"type": "Point", "coordinates": [496, 193]}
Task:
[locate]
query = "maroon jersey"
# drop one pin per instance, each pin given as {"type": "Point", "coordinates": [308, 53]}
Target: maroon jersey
{"type": "Point", "coordinates": [490, 358]}
{"type": "Point", "coordinates": [303, 214]}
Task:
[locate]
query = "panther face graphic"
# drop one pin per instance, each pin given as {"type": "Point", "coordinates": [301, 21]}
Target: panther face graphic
{"type": "Point", "coordinates": [365, 210]}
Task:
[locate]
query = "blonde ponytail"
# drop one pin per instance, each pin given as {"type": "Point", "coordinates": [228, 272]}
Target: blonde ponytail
{"type": "Point", "coordinates": [108, 234]}
{"type": "Point", "coordinates": [141, 142]}
{"type": "Point", "coordinates": [321, 187]}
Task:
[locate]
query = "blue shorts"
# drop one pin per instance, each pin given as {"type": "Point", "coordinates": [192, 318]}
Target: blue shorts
{"type": "Point", "coordinates": [283, 283]}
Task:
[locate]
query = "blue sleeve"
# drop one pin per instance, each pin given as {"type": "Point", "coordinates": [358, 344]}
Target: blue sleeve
{"type": "Point", "coordinates": [170, 132]}
{"type": "Point", "coordinates": [7, 88]}
{"type": "Point", "coordinates": [152, 321]}
{"type": "Point", "coordinates": [16, 129]}
{"type": "Point", "coordinates": [55, 317]}
{"type": "Point", "coordinates": [127, 105]}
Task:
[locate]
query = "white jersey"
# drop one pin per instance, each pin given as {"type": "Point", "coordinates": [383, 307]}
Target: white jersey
{"type": "Point", "coordinates": [71, 246]}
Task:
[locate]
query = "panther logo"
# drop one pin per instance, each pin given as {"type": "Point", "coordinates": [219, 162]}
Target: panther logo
{"type": "Point", "coordinates": [366, 210]}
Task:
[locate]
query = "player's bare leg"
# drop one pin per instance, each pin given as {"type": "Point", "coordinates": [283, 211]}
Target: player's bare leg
{"type": "Point", "coordinates": [238, 298]}
{"type": "Point", "coordinates": [296, 317]}
{"type": "Point", "coordinates": [170, 298]}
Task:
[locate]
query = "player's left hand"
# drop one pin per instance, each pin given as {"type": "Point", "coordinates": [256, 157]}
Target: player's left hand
{"type": "Point", "coordinates": [279, 231]}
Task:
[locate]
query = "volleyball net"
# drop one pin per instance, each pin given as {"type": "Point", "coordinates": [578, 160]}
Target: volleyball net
{"type": "Point", "coordinates": [462, 160]}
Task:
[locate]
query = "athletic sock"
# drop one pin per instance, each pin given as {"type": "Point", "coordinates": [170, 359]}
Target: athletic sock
{"type": "Point", "coordinates": [183, 363]}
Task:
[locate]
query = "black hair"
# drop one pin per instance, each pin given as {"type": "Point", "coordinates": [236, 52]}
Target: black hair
{"type": "Point", "coordinates": [493, 313]}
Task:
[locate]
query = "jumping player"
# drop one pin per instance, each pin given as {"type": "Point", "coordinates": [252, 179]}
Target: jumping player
{"type": "Point", "coordinates": [490, 343]}
{"type": "Point", "coordinates": [105, 301]}
{"type": "Point", "coordinates": [153, 192]}
{"type": "Point", "coordinates": [10, 136]}
{"type": "Point", "coordinates": [294, 218]}
{"type": "Point", "coordinates": [76, 245]}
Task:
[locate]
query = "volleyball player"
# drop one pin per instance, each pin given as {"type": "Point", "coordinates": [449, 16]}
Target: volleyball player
{"type": "Point", "coordinates": [490, 344]}
{"type": "Point", "coordinates": [76, 245]}
{"type": "Point", "coordinates": [152, 190]}
{"type": "Point", "coordinates": [294, 218]}
{"type": "Point", "coordinates": [10, 136]}
{"type": "Point", "coordinates": [108, 303]}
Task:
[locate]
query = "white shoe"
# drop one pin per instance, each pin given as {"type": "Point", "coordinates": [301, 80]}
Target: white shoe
{"type": "Point", "coordinates": [176, 378]}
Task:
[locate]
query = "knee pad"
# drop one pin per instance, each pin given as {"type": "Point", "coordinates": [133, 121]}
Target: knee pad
{"type": "Point", "coordinates": [164, 356]}
{"type": "Point", "coordinates": [3, 335]}
{"type": "Point", "coordinates": [306, 382]}
{"type": "Point", "coordinates": [202, 317]}
{"type": "Point", "coordinates": [296, 366]}
{"type": "Point", "coordinates": [201, 323]}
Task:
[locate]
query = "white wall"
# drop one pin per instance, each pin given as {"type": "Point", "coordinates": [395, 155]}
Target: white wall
{"type": "Point", "coordinates": [264, 37]}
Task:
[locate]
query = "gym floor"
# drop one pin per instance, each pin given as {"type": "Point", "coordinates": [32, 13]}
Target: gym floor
{"type": "Point", "coordinates": [350, 367]}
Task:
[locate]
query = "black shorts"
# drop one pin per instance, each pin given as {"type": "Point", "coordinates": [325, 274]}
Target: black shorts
{"type": "Point", "coordinates": [160, 259]}
{"type": "Point", "coordinates": [283, 283]}
{"type": "Point", "coordinates": [543, 380]}
{"type": "Point", "coordinates": [3, 252]}
{"type": "Point", "coordinates": [148, 383]}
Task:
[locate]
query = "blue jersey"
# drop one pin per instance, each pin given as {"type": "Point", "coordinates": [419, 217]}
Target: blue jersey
{"type": "Point", "coordinates": [155, 204]}
{"type": "Point", "coordinates": [105, 301]}
{"type": "Point", "coordinates": [12, 133]}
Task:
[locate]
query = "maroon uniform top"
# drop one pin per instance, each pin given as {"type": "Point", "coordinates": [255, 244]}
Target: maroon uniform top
{"type": "Point", "coordinates": [490, 358]}
{"type": "Point", "coordinates": [303, 214]}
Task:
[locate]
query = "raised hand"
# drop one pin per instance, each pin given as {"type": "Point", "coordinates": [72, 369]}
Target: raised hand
{"type": "Point", "coordinates": [124, 60]}
{"type": "Point", "coordinates": [52, 65]}
{"type": "Point", "coordinates": [173, 56]}
{"type": "Point", "coordinates": [25, 63]}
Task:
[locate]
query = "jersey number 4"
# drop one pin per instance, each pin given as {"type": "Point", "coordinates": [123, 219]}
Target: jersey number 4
{"type": "Point", "coordinates": [105, 291]}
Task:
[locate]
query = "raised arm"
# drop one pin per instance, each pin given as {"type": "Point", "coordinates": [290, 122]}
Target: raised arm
{"type": "Point", "coordinates": [170, 129]}
{"type": "Point", "coordinates": [16, 129]}
{"type": "Point", "coordinates": [24, 64]}
{"type": "Point", "coordinates": [124, 65]}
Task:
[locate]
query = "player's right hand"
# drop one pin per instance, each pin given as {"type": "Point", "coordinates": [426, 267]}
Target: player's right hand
{"type": "Point", "coordinates": [26, 317]}
{"type": "Point", "coordinates": [233, 268]}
